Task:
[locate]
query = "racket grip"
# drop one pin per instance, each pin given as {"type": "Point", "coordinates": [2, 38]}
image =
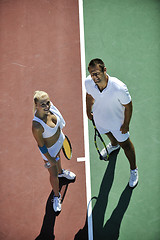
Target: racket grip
{"type": "Point", "coordinates": [101, 158]}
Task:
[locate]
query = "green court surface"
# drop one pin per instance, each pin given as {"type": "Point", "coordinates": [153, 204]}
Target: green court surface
{"type": "Point", "coordinates": [126, 35]}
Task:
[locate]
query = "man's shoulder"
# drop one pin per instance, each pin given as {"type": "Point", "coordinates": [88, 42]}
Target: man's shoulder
{"type": "Point", "coordinates": [88, 78]}
{"type": "Point", "coordinates": [121, 90]}
{"type": "Point", "coordinates": [89, 81]}
{"type": "Point", "coordinates": [89, 84]}
{"type": "Point", "coordinates": [116, 82]}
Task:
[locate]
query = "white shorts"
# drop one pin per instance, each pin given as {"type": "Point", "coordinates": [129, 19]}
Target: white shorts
{"type": "Point", "coordinates": [119, 136]}
{"type": "Point", "coordinates": [54, 150]}
{"type": "Point", "coordinates": [116, 133]}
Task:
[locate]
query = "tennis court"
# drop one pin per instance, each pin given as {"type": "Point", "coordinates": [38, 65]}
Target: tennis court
{"type": "Point", "coordinates": [125, 34]}
{"type": "Point", "coordinates": [42, 48]}
{"type": "Point", "coordinates": [37, 54]}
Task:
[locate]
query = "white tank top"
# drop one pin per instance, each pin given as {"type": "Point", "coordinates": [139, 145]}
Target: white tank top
{"type": "Point", "coordinates": [49, 131]}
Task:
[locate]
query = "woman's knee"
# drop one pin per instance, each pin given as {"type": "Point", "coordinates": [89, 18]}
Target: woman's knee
{"type": "Point", "coordinates": [53, 171]}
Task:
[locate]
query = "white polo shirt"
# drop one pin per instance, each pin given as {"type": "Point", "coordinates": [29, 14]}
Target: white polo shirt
{"type": "Point", "coordinates": [108, 111]}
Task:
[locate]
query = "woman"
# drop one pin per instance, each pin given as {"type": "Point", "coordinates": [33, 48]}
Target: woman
{"type": "Point", "coordinates": [47, 131]}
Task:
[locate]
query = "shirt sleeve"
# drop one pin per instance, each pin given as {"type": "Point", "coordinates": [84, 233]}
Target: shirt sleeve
{"type": "Point", "coordinates": [88, 85]}
{"type": "Point", "coordinates": [124, 95]}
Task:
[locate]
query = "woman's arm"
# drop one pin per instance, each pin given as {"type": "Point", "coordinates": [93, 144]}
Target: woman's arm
{"type": "Point", "coordinates": [37, 133]}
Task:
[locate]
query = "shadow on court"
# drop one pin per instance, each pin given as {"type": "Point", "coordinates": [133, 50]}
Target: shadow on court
{"type": "Point", "coordinates": [110, 230]}
{"type": "Point", "coordinates": [47, 229]}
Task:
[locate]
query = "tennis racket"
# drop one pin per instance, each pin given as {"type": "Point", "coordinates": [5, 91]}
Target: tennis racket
{"type": "Point", "coordinates": [100, 144]}
{"type": "Point", "coordinates": [67, 148]}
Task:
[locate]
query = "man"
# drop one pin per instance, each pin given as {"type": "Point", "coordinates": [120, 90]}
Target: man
{"type": "Point", "coordinates": [109, 103]}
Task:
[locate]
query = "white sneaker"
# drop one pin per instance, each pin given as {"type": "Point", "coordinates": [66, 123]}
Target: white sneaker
{"type": "Point", "coordinates": [110, 149]}
{"type": "Point", "coordinates": [67, 174]}
{"type": "Point", "coordinates": [133, 178]}
{"type": "Point", "coordinates": [57, 203]}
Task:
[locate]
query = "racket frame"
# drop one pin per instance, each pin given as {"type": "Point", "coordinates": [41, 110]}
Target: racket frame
{"type": "Point", "coordinates": [97, 134]}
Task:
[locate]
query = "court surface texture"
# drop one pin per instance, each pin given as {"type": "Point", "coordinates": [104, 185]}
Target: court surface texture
{"type": "Point", "coordinates": [42, 47]}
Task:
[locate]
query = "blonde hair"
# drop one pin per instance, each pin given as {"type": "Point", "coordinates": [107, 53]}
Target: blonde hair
{"type": "Point", "coordinates": [38, 95]}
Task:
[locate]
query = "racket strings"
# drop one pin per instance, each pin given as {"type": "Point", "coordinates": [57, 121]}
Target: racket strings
{"type": "Point", "coordinates": [101, 146]}
{"type": "Point", "coordinates": [67, 149]}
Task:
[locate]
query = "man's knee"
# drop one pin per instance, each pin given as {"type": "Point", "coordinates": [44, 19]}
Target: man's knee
{"type": "Point", "coordinates": [126, 145]}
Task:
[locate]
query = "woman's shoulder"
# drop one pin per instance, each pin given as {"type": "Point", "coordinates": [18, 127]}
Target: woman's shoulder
{"type": "Point", "coordinates": [36, 126]}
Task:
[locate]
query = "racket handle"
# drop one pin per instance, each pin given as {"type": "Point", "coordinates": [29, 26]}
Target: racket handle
{"type": "Point", "coordinates": [93, 122]}
{"type": "Point", "coordinates": [101, 158]}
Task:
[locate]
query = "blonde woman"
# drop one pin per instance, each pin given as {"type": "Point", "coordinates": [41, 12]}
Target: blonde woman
{"type": "Point", "coordinates": [47, 130]}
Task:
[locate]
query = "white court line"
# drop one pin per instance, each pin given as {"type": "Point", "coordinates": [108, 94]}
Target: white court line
{"type": "Point", "coordinates": [85, 124]}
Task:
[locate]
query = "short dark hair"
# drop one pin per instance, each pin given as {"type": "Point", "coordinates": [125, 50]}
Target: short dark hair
{"type": "Point", "coordinates": [96, 61]}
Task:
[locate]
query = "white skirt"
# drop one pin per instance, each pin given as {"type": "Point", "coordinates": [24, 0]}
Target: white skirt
{"type": "Point", "coordinates": [54, 150]}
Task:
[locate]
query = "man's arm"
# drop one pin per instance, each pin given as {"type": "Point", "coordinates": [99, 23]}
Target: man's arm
{"type": "Point", "coordinates": [89, 103]}
{"type": "Point", "coordinates": [127, 117]}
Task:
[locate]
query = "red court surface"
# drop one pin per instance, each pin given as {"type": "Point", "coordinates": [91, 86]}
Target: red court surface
{"type": "Point", "coordinates": [40, 50]}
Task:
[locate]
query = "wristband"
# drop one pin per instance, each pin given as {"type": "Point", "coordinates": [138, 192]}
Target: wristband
{"type": "Point", "coordinates": [43, 149]}
{"type": "Point", "coordinates": [57, 158]}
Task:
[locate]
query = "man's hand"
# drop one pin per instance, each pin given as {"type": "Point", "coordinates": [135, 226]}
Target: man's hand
{"type": "Point", "coordinates": [90, 116]}
{"type": "Point", "coordinates": [124, 128]}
